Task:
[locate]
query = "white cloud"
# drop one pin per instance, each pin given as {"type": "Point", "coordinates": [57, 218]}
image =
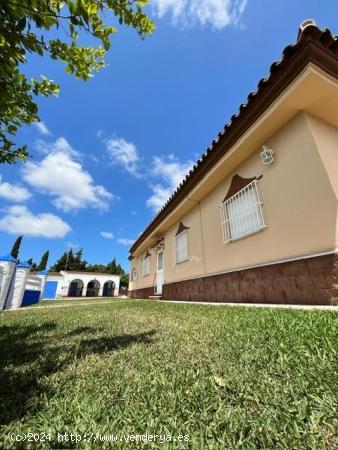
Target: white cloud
{"type": "Point", "coordinates": [42, 128]}
{"type": "Point", "coordinates": [13, 192]}
{"type": "Point", "coordinates": [125, 241]}
{"type": "Point", "coordinates": [19, 220]}
{"type": "Point", "coordinates": [107, 234]}
{"type": "Point", "coordinates": [124, 154]}
{"type": "Point", "coordinates": [59, 145]}
{"type": "Point", "coordinates": [171, 171]}
{"type": "Point", "coordinates": [60, 175]}
{"type": "Point", "coordinates": [216, 13]}
{"type": "Point", "coordinates": [159, 197]}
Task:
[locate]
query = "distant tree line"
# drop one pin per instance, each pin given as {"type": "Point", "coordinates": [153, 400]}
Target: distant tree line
{"type": "Point", "coordinates": [73, 262]}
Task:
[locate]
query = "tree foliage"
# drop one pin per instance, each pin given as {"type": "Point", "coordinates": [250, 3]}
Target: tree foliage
{"type": "Point", "coordinates": [124, 280]}
{"type": "Point", "coordinates": [44, 261]}
{"type": "Point", "coordinates": [33, 264]}
{"type": "Point", "coordinates": [16, 246]}
{"type": "Point", "coordinates": [70, 261]}
{"type": "Point", "coordinates": [61, 263]}
{"type": "Point", "coordinates": [111, 267]}
{"type": "Point", "coordinates": [53, 28]}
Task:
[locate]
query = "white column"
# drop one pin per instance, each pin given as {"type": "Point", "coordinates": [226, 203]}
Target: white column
{"type": "Point", "coordinates": [65, 289]}
{"type": "Point", "coordinates": [19, 286]}
{"type": "Point", "coordinates": [8, 265]}
{"type": "Point", "coordinates": [43, 276]}
{"type": "Point", "coordinates": [100, 290]}
{"type": "Point", "coordinates": [117, 287]}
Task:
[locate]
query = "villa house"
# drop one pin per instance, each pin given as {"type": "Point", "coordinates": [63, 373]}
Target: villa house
{"type": "Point", "coordinates": [256, 219]}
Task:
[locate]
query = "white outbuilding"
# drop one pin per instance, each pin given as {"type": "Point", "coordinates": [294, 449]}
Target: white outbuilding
{"type": "Point", "coordinates": [81, 284]}
{"type": "Point", "coordinates": [8, 270]}
{"type": "Point", "coordinates": [19, 286]}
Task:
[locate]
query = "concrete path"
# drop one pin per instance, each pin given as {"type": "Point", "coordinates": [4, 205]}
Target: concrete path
{"type": "Point", "coordinates": [257, 305]}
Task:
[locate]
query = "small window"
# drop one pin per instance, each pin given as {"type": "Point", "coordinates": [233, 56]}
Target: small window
{"type": "Point", "coordinates": [181, 247]}
{"type": "Point", "coordinates": [133, 275]}
{"type": "Point", "coordinates": [146, 265]}
{"type": "Point", "coordinates": [241, 214]}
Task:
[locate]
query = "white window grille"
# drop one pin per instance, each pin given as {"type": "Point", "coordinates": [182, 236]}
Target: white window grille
{"type": "Point", "coordinates": [146, 265]}
{"type": "Point", "coordinates": [181, 247]}
{"type": "Point", "coordinates": [242, 214]}
{"type": "Point", "coordinates": [133, 274]}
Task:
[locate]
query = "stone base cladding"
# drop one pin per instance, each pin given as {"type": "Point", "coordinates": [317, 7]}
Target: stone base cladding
{"type": "Point", "coordinates": [141, 293]}
{"type": "Point", "coordinates": [312, 281]}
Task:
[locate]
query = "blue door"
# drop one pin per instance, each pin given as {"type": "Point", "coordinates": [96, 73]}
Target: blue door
{"type": "Point", "coordinates": [50, 290]}
{"type": "Point", "coordinates": [105, 290]}
{"type": "Point", "coordinates": [30, 297]}
{"type": "Point", "coordinates": [72, 292]}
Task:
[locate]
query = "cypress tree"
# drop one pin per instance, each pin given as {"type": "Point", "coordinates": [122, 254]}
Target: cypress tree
{"type": "Point", "coordinates": [44, 261]}
{"type": "Point", "coordinates": [16, 247]}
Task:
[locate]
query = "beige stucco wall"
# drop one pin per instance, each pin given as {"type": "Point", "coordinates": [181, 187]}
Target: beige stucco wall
{"type": "Point", "coordinates": [326, 139]}
{"type": "Point", "coordinates": [143, 281]}
{"type": "Point", "coordinates": [299, 193]}
{"type": "Point", "coordinates": [299, 205]}
{"type": "Point", "coordinates": [195, 265]}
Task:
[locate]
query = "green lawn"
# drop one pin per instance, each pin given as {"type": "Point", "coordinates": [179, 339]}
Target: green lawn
{"type": "Point", "coordinates": [228, 377]}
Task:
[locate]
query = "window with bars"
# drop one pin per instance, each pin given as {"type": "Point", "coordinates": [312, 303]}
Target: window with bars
{"type": "Point", "coordinates": [181, 247]}
{"type": "Point", "coordinates": [146, 265]}
{"type": "Point", "coordinates": [241, 214]}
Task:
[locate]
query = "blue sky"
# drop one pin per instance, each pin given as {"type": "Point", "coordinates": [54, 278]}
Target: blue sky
{"type": "Point", "coordinates": [111, 150]}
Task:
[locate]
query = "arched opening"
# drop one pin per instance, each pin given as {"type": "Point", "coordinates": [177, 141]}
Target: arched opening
{"type": "Point", "coordinates": [108, 289]}
{"type": "Point", "coordinates": [75, 288]}
{"type": "Point", "coordinates": [93, 288]}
